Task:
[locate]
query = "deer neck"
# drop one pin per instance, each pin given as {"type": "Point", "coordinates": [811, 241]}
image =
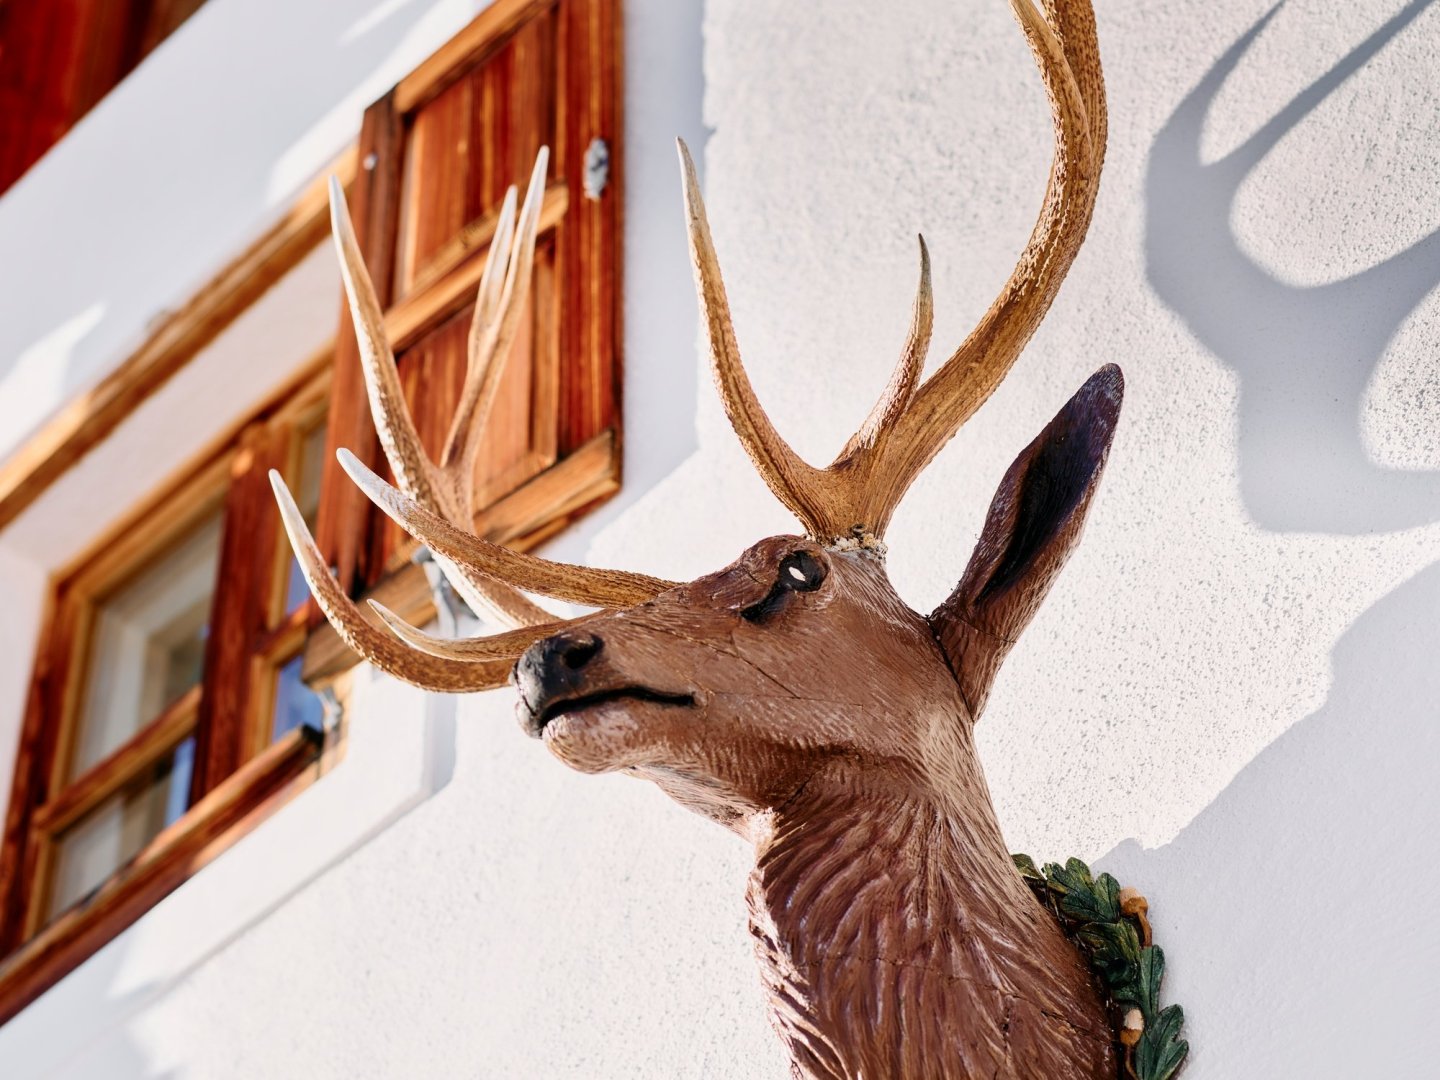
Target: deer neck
{"type": "Point", "coordinates": [893, 934]}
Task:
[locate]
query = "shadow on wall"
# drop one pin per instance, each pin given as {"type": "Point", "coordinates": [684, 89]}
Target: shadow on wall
{"type": "Point", "coordinates": [1288, 900]}
{"type": "Point", "coordinates": [1301, 940]}
{"type": "Point", "coordinates": [1303, 354]}
{"type": "Point", "coordinates": [82, 1054]}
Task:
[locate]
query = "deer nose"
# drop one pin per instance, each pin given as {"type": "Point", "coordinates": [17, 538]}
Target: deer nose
{"type": "Point", "coordinates": [552, 670]}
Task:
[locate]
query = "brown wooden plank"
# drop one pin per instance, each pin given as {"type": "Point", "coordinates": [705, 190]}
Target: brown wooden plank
{"type": "Point", "coordinates": [28, 785]}
{"type": "Point", "coordinates": [485, 35]}
{"type": "Point", "coordinates": [240, 608]}
{"type": "Point", "coordinates": [52, 690]}
{"type": "Point", "coordinates": [450, 281]}
{"type": "Point", "coordinates": [86, 420]}
{"type": "Point", "coordinates": [226, 814]}
{"type": "Point", "coordinates": [590, 238]}
{"type": "Point", "coordinates": [340, 526]}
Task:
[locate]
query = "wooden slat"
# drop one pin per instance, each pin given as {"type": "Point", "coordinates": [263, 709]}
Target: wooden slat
{"type": "Point", "coordinates": [525, 518]}
{"type": "Point", "coordinates": [28, 784]}
{"type": "Point", "coordinates": [241, 606]}
{"type": "Point", "coordinates": [80, 425]}
{"type": "Point", "coordinates": [449, 282]}
{"type": "Point", "coordinates": [589, 239]}
{"type": "Point", "coordinates": [225, 815]}
{"type": "Point", "coordinates": [95, 785]}
{"type": "Point", "coordinates": [485, 35]}
{"type": "Point", "coordinates": [342, 520]}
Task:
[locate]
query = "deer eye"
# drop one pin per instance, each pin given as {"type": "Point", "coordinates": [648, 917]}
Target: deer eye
{"type": "Point", "coordinates": [798, 572]}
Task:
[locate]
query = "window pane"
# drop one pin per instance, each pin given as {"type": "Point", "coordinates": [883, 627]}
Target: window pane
{"type": "Point", "coordinates": [110, 835]}
{"type": "Point", "coordinates": [296, 705]}
{"type": "Point", "coordinates": [147, 646]}
{"type": "Point", "coordinates": [307, 496]}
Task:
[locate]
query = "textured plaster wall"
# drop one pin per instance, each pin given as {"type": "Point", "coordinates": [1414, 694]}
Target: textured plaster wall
{"type": "Point", "coordinates": [1229, 699]}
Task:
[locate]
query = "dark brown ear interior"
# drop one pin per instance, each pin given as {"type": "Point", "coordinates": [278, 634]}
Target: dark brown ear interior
{"type": "Point", "coordinates": [1034, 522]}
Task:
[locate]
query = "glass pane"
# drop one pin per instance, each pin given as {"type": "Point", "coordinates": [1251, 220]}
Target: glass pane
{"type": "Point", "coordinates": [307, 496]}
{"type": "Point", "coordinates": [105, 839]}
{"type": "Point", "coordinates": [296, 705]}
{"type": "Point", "coordinates": [147, 646]}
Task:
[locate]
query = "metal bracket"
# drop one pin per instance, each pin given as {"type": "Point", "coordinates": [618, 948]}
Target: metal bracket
{"type": "Point", "coordinates": [332, 711]}
{"type": "Point", "coordinates": [449, 607]}
{"type": "Point", "coordinates": [597, 168]}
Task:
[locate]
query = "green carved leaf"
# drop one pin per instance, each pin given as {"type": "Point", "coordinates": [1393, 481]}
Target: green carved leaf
{"type": "Point", "coordinates": [1073, 877]}
{"type": "Point", "coordinates": [1029, 871]}
{"type": "Point", "coordinates": [1089, 911]}
{"type": "Point", "coordinates": [1114, 950]}
{"type": "Point", "coordinates": [1161, 1051]}
{"type": "Point", "coordinates": [1098, 903]}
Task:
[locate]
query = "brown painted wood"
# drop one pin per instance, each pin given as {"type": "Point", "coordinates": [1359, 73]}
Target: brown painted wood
{"type": "Point", "coordinates": [241, 607]}
{"type": "Point", "coordinates": [795, 699]}
{"type": "Point", "coordinates": [226, 814]}
{"type": "Point", "coordinates": [58, 58]}
{"type": "Point", "coordinates": [83, 423]}
{"type": "Point", "coordinates": [344, 513]}
{"type": "Point", "coordinates": [27, 788]}
{"type": "Point", "coordinates": [469, 48]}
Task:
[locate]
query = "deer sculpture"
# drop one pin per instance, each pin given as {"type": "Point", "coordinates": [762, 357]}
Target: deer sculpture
{"type": "Point", "coordinates": [793, 697]}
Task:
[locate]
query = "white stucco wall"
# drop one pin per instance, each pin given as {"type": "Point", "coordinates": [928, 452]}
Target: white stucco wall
{"type": "Point", "coordinates": [1228, 699]}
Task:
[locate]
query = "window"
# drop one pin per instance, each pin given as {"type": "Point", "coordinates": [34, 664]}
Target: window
{"type": "Point", "coordinates": [58, 58]}
{"type": "Point", "coordinates": [181, 681]}
{"type": "Point", "coordinates": [166, 709]}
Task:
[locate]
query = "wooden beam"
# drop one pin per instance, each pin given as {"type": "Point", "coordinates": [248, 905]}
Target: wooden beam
{"type": "Point", "coordinates": [80, 425]}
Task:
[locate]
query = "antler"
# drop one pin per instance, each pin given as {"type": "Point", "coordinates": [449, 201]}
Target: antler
{"type": "Point", "coordinates": [854, 497]}
{"type": "Point", "coordinates": [436, 502]}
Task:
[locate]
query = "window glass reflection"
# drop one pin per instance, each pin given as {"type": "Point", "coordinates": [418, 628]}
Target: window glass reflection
{"type": "Point", "coordinates": [296, 705]}
{"type": "Point", "coordinates": [307, 496]}
{"type": "Point", "coordinates": [109, 836]}
{"type": "Point", "coordinates": [147, 645]}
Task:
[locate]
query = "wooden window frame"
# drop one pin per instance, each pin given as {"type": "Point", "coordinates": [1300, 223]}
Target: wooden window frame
{"type": "Point", "coordinates": [240, 775]}
{"type": "Point", "coordinates": [238, 779]}
{"type": "Point", "coordinates": [586, 469]}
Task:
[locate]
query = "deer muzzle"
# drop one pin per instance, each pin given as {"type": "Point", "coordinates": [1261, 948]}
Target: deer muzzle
{"type": "Point", "coordinates": [567, 673]}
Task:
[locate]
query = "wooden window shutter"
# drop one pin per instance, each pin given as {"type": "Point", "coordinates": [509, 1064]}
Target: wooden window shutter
{"type": "Point", "coordinates": [437, 154]}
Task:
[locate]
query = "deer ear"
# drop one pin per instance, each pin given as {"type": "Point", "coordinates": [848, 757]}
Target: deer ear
{"type": "Point", "coordinates": [1034, 521]}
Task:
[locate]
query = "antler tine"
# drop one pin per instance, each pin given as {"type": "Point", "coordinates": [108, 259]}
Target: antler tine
{"type": "Point", "coordinates": [466, 650]}
{"type": "Point", "coordinates": [499, 307]}
{"type": "Point", "coordinates": [905, 380]}
{"type": "Point", "coordinates": [963, 383]}
{"type": "Point", "coordinates": [444, 491]}
{"type": "Point", "coordinates": [794, 482]}
{"type": "Point", "coordinates": [578, 584]}
{"type": "Point", "coordinates": [398, 437]}
{"type": "Point", "coordinates": [853, 499]}
{"type": "Point", "coordinates": [492, 280]}
{"type": "Point", "coordinates": [428, 672]}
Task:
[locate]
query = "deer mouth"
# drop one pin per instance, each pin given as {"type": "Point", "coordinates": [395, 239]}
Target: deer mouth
{"type": "Point", "coordinates": [573, 705]}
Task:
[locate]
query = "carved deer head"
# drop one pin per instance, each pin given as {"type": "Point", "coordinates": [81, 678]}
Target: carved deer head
{"type": "Point", "coordinates": [793, 696]}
